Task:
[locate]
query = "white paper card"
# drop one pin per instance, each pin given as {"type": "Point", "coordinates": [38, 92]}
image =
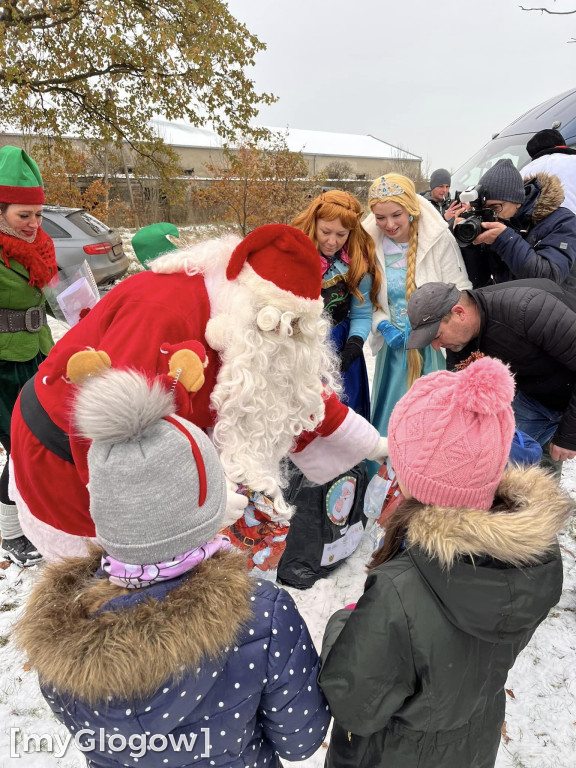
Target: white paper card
{"type": "Point", "coordinates": [75, 298]}
{"type": "Point", "coordinates": [338, 550]}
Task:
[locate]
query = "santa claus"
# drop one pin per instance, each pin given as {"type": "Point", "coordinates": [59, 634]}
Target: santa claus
{"type": "Point", "coordinates": [269, 381]}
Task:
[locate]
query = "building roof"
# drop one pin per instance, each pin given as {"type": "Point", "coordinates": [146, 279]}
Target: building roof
{"type": "Point", "coordinates": [178, 133]}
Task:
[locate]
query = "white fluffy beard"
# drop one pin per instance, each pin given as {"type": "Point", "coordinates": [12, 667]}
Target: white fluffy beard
{"type": "Point", "coordinates": [269, 389]}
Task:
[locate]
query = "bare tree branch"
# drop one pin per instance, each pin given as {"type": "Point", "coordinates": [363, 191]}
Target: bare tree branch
{"type": "Point", "coordinates": [546, 10]}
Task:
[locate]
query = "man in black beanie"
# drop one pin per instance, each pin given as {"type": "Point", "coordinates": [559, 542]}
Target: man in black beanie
{"type": "Point", "coordinates": [550, 154]}
{"type": "Point", "coordinates": [532, 234]}
{"type": "Point", "coordinates": [439, 195]}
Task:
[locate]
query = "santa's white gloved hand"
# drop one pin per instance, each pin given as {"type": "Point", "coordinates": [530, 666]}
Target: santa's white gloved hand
{"type": "Point", "coordinates": [236, 503]}
{"type": "Point", "coordinates": [380, 451]}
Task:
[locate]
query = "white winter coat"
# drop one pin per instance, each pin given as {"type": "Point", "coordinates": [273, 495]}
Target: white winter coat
{"type": "Point", "coordinates": [557, 164]}
{"type": "Point", "coordinates": [438, 259]}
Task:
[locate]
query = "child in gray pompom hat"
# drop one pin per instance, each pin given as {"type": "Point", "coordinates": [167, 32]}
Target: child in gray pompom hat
{"type": "Point", "coordinates": [156, 485]}
{"type": "Point", "coordinates": [162, 649]}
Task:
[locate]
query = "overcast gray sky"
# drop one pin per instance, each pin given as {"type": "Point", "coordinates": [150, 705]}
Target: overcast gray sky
{"type": "Point", "coordinates": [436, 77]}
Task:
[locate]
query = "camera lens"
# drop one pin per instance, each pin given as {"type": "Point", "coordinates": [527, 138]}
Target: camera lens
{"type": "Point", "coordinates": [467, 231]}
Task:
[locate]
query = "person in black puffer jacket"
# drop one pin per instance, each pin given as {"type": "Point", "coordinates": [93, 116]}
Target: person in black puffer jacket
{"type": "Point", "coordinates": [524, 323]}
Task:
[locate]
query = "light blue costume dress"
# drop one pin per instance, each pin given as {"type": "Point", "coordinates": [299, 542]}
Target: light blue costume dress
{"type": "Point", "coordinates": [350, 317]}
{"type": "Point", "coordinates": [391, 372]}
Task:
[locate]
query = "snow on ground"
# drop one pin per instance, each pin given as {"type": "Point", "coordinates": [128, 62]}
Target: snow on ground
{"type": "Point", "coordinates": [540, 729]}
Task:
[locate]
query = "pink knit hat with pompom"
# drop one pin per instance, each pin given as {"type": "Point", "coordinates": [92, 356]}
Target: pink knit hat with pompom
{"type": "Point", "coordinates": [449, 437]}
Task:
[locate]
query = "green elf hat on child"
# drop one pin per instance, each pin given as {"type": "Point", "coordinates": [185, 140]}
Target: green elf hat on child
{"type": "Point", "coordinates": [151, 241]}
{"type": "Point", "coordinates": [20, 178]}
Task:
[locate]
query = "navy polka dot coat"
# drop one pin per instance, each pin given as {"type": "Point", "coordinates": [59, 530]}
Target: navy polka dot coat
{"type": "Point", "coordinates": [212, 669]}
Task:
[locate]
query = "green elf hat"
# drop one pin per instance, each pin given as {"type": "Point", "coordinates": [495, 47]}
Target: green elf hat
{"type": "Point", "coordinates": [151, 241]}
{"type": "Point", "coordinates": [20, 179]}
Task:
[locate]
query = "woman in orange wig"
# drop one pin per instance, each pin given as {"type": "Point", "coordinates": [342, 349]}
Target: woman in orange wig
{"type": "Point", "coordinates": [350, 286]}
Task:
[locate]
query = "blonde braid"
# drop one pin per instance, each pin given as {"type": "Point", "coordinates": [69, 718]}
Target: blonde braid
{"type": "Point", "coordinates": [398, 189]}
{"type": "Point", "coordinates": [414, 358]}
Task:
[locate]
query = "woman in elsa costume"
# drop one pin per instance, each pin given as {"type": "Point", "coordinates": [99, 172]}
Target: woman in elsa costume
{"type": "Point", "coordinates": [413, 246]}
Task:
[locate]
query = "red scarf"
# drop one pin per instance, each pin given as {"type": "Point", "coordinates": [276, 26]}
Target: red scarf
{"type": "Point", "coordinates": [39, 257]}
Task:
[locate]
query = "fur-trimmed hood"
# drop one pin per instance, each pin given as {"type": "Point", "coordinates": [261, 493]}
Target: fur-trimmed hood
{"type": "Point", "coordinates": [92, 653]}
{"type": "Point", "coordinates": [533, 508]}
{"type": "Point", "coordinates": [495, 574]}
{"type": "Point", "coordinates": [544, 194]}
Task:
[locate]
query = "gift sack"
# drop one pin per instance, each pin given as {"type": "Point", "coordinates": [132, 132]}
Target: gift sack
{"type": "Point", "coordinates": [258, 534]}
{"type": "Point", "coordinates": [326, 527]}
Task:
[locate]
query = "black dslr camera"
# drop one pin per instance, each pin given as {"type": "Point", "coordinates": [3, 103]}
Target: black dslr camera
{"type": "Point", "coordinates": [467, 231]}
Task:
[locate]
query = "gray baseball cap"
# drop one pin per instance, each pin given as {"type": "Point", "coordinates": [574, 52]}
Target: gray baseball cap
{"type": "Point", "coordinates": [426, 308]}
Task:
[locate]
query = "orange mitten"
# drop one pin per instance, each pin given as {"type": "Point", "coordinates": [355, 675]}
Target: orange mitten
{"type": "Point", "coordinates": [186, 364]}
{"type": "Point", "coordinates": [88, 362]}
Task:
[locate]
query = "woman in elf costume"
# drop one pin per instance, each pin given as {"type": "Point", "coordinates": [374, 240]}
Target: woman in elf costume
{"type": "Point", "coordinates": [350, 284]}
{"type": "Point", "coordinates": [27, 264]}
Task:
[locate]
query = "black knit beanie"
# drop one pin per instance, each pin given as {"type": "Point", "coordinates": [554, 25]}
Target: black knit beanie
{"type": "Point", "coordinates": [544, 139]}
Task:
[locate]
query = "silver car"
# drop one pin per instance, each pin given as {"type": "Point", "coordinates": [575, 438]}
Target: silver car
{"type": "Point", "coordinates": [79, 236]}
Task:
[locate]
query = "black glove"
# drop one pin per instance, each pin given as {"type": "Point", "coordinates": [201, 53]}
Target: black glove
{"type": "Point", "coordinates": [352, 351]}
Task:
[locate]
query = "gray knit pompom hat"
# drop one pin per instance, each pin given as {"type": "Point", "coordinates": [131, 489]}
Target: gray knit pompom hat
{"type": "Point", "coordinates": [156, 485]}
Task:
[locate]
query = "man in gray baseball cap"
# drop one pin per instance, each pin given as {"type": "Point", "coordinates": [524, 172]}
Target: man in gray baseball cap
{"type": "Point", "coordinates": [426, 308]}
{"type": "Point", "coordinates": [526, 324]}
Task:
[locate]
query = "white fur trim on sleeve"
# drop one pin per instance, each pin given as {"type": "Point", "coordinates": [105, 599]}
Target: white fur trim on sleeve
{"type": "Point", "coordinates": [327, 457]}
{"type": "Point", "coordinates": [52, 543]}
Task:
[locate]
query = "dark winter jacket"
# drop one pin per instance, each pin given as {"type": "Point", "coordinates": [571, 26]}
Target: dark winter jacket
{"type": "Point", "coordinates": [527, 325]}
{"type": "Point", "coordinates": [213, 650]}
{"type": "Point", "coordinates": [440, 205]}
{"type": "Point", "coordinates": [539, 242]}
{"type": "Point", "coordinates": [415, 674]}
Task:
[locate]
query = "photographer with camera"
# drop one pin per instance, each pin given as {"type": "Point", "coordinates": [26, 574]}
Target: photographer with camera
{"type": "Point", "coordinates": [518, 229]}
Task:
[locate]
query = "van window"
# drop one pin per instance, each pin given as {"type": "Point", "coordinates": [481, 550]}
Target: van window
{"type": "Point", "coordinates": [512, 147]}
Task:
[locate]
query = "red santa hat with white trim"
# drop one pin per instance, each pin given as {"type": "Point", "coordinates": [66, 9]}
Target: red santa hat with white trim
{"type": "Point", "coordinates": [281, 267]}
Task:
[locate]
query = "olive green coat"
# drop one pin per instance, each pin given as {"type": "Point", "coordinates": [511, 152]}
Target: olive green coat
{"type": "Point", "coordinates": [415, 674]}
{"type": "Point", "coordinates": [15, 293]}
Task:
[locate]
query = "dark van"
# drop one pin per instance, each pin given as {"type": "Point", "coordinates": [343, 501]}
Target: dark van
{"type": "Point", "coordinates": [558, 112]}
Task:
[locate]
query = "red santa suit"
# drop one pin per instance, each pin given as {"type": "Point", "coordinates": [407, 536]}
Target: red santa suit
{"type": "Point", "coordinates": [133, 324]}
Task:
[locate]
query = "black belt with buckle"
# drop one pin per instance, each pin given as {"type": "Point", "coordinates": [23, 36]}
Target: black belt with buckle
{"type": "Point", "coordinates": [41, 425]}
{"type": "Point", "coordinates": [31, 320]}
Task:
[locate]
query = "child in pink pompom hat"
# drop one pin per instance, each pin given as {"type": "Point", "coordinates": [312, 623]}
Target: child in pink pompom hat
{"type": "Point", "coordinates": [449, 438]}
{"type": "Point", "coordinates": [470, 566]}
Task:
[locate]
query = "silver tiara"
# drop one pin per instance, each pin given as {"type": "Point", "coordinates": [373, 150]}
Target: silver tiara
{"type": "Point", "coordinates": [385, 189]}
